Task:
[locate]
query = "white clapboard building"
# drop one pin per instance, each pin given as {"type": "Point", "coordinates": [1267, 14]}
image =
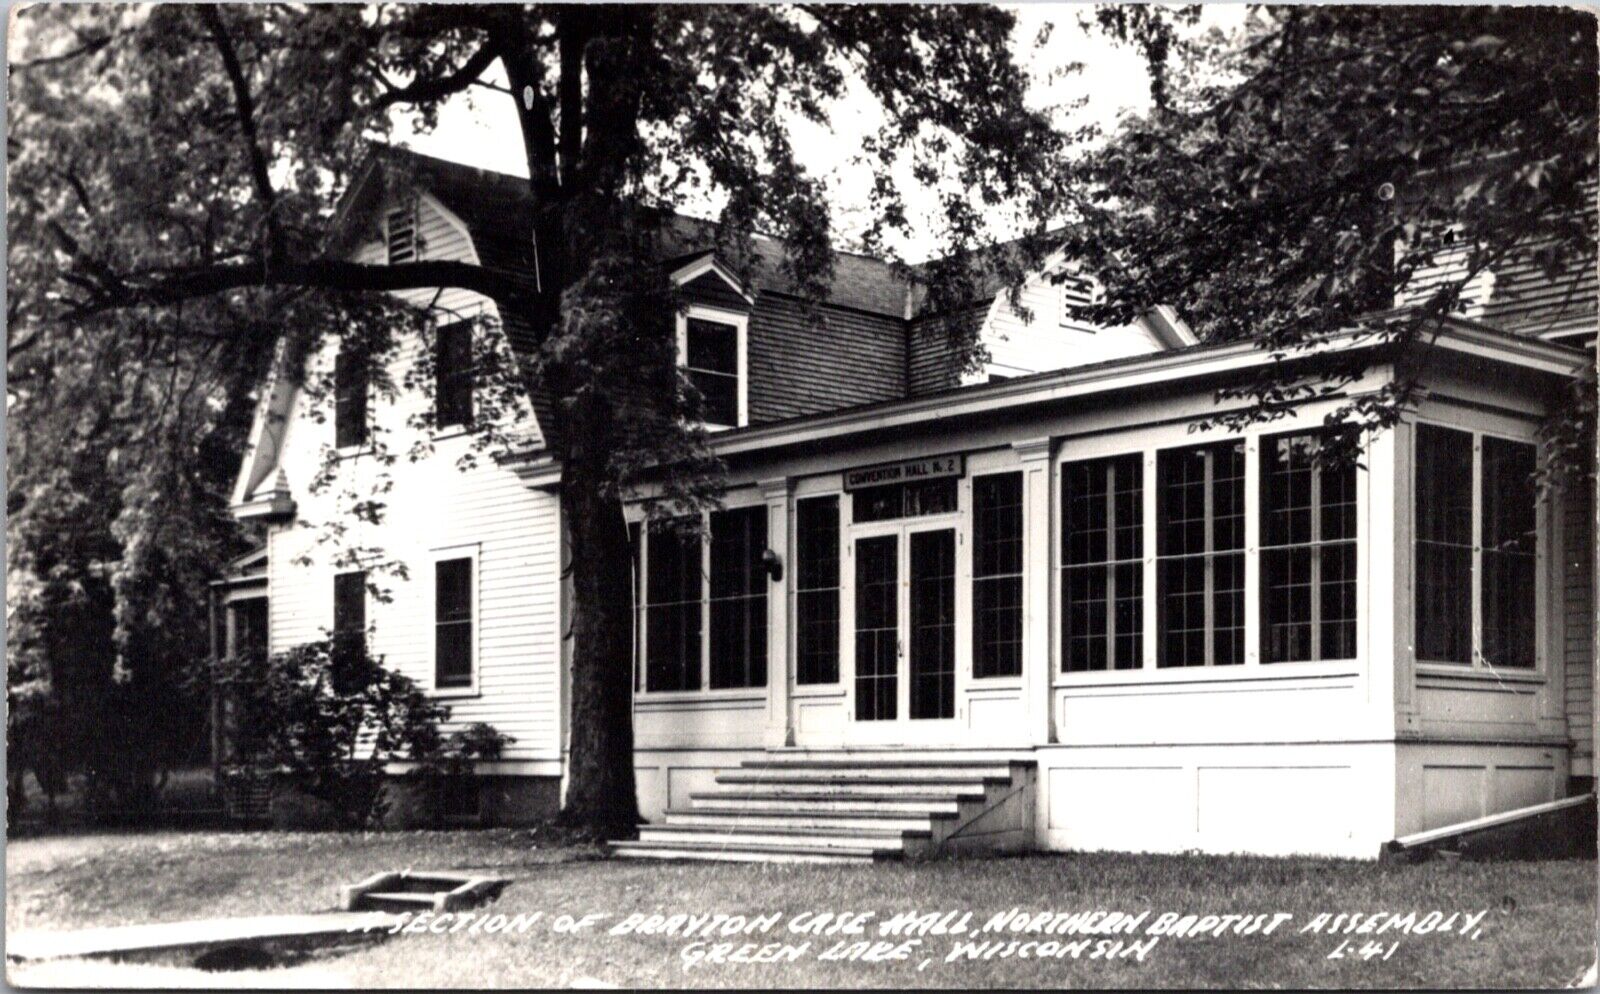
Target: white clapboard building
{"type": "Point", "coordinates": [1032, 607]}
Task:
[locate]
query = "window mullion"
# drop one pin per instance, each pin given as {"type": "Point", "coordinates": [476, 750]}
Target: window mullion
{"type": "Point", "coordinates": [1475, 651]}
{"type": "Point", "coordinates": [1208, 526]}
{"type": "Point", "coordinates": [1315, 592]}
{"type": "Point", "coordinates": [705, 605]}
{"type": "Point", "coordinates": [1111, 567]}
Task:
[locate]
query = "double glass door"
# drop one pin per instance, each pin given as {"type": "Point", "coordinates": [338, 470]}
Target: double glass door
{"type": "Point", "coordinates": [905, 625]}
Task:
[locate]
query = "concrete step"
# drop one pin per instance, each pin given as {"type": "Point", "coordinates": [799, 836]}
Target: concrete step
{"type": "Point", "coordinates": [819, 803]}
{"type": "Point", "coordinates": [887, 787]}
{"type": "Point", "coordinates": [867, 819]}
{"type": "Point", "coordinates": [877, 772]}
{"type": "Point", "coordinates": [820, 838]}
{"type": "Point", "coordinates": [750, 853]}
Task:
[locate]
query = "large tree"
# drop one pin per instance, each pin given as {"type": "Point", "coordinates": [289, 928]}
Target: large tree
{"type": "Point", "coordinates": [174, 170]}
{"type": "Point", "coordinates": [1298, 174]}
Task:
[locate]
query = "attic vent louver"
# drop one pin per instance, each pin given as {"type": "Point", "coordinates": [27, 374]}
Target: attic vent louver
{"type": "Point", "coordinates": [400, 230]}
{"type": "Point", "coordinates": [1076, 292]}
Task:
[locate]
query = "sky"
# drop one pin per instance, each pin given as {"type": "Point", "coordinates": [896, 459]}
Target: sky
{"type": "Point", "coordinates": [480, 128]}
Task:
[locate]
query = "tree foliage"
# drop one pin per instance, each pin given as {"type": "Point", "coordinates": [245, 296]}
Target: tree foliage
{"type": "Point", "coordinates": [175, 169]}
{"type": "Point", "coordinates": [1294, 177]}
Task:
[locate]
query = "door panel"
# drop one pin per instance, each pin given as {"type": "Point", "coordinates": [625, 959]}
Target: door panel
{"type": "Point", "coordinates": [932, 623]}
{"type": "Point", "coordinates": [877, 627]}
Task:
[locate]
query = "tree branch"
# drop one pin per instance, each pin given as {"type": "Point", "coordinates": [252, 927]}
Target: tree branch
{"type": "Point", "coordinates": [319, 274]}
{"type": "Point", "coordinates": [244, 107]}
{"type": "Point", "coordinates": [435, 87]}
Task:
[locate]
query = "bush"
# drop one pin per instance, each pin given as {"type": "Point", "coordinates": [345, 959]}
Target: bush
{"type": "Point", "coordinates": [326, 719]}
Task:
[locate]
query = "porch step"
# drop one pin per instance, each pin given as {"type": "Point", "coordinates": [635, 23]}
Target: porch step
{"type": "Point", "coordinates": [818, 802]}
{"type": "Point", "coordinates": [864, 819]}
{"type": "Point", "coordinates": [820, 838]}
{"type": "Point", "coordinates": [848, 808]}
{"type": "Point", "coordinates": [750, 853]}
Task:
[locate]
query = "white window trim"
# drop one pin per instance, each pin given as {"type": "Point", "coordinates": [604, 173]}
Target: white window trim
{"type": "Point", "coordinates": [705, 692]}
{"type": "Point", "coordinates": [435, 557]}
{"type": "Point", "coordinates": [740, 321]}
{"type": "Point", "coordinates": [1478, 668]}
{"type": "Point", "coordinates": [1252, 668]}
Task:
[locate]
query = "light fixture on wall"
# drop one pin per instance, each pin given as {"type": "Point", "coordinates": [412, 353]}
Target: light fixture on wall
{"type": "Point", "coordinates": [773, 564]}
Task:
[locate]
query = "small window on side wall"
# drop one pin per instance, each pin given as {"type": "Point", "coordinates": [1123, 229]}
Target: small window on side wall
{"type": "Point", "coordinates": [452, 623]}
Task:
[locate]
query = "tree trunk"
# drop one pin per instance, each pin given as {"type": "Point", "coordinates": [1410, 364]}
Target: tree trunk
{"type": "Point", "coordinates": [601, 799]}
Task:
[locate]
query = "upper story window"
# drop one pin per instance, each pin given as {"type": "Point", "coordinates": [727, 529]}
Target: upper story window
{"type": "Point", "coordinates": [1476, 549]}
{"type": "Point", "coordinates": [350, 390]}
{"type": "Point", "coordinates": [712, 349]}
{"type": "Point", "coordinates": [400, 233]}
{"type": "Point", "coordinates": [452, 370]}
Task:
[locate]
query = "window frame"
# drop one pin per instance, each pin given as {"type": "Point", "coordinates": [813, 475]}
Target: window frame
{"type": "Point", "coordinates": [1020, 575]}
{"type": "Point", "coordinates": [469, 420]}
{"type": "Point", "coordinates": [836, 589]}
{"type": "Point", "coordinates": [1108, 566]}
{"type": "Point", "coordinates": [1147, 442]}
{"type": "Point", "coordinates": [342, 356]}
{"type": "Point", "coordinates": [1210, 557]}
{"type": "Point", "coordinates": [441, 555]}
{"type": "Point", "coordinates": [741, 322]}
{"type": "Point", "coordinates": [704, 690]}
{"type": "Point", "coordinates": [1316, 546]}
{"type": "Point", "coordinates": [409, 206]}
{"type": "Point", "coordinates": [1476, 668]}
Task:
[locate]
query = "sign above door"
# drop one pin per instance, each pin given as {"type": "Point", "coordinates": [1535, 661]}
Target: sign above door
{"type": "Point", "coordinates": [906, 471]}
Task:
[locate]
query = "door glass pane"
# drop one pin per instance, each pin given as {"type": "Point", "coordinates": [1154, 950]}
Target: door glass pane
{"type": "Point", "coordinates": [877, 627]}
{"type": "Point", "coordinates": [933, 624]}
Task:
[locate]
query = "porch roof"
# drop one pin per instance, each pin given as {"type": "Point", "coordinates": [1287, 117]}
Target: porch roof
{"type": "Point", "coordinates": [1453, 335]}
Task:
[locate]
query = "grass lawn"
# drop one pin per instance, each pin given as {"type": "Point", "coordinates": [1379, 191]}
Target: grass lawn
{"type": "Point", "coordinates": [1539, 930]}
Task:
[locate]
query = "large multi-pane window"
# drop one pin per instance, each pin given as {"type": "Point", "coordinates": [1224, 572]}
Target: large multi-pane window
{"type": "Point", "coordinates": [705, 612]}
{"type": "Point", "coordinates": [672, 608]}
{"type": "Point", "coordinates": [816, 582]}
{"type": "Point", "coordinates": [997, 575]}
{"type": "Point", "coordinates": [1308, 551]}
{"type": "Point", "coordinates": [738, 595]}
{"type": "Point", "coordinates": [1200, 555]}
{"type": "Point", "coordinates": [1102, 576]}
{"type": "Point", "coordinates": [1476, 516]}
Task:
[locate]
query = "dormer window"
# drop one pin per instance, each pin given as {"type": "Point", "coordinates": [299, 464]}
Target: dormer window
{"type": "Point", "coordinates": [1076, 292]}
{"type": "Point", "coordinates": [400, 234]}
{"type": "Point", "coordinates": [712, 352]}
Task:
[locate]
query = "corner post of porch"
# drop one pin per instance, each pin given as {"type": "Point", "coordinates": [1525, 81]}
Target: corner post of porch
{"type": "Point", "coordinates": [1036, 532]}
{"type": "Point", "coordinates": [777, 492]}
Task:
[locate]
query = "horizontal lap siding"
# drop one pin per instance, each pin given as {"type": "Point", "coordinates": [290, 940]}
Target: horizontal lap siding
{"type": "Point", "coordinates": [1579, 604]}
{"type": "Point", "coordinates": [932, 364]}
{"type": "Point", "coordinates": [805, 363]}
{"type": "Point", "coordinates": [431, 505]}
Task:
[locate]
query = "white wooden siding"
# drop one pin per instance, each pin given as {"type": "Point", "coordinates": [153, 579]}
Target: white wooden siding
{"type": "Point", "coordinates": [1578, 625]}
{"type": "Point", "coordinates": [432, 505]}
{"type": "Point", "coordinates": [1018, 346]}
